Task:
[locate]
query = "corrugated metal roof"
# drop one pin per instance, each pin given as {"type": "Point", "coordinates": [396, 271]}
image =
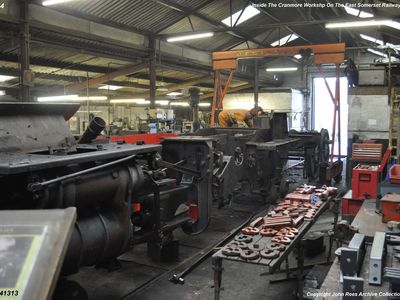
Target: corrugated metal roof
{"type": "Point", "coordinates": [191, 4]}
{"type": "Point", "coordinates": [219, 10]}
{"type": "Point", "coordinates": [184, 26]}
{"type": "Point", "coordinates": [140, 14]}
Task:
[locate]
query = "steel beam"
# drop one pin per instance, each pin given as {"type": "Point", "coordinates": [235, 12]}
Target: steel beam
{"type": "Point", "coordinates": [152, 73]}
{"type": "Point", "coordinates": [185, 15]}
{"type": "Point", "coordinates": [231, 90]}
{"type": "Point", "coordinates": [97, 80]}
{"type": "Point", "coordinates": [175, 87]}
{"type": "Point", "coordinates": [25, 73]}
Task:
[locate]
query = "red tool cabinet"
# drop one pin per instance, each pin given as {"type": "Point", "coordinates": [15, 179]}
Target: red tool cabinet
{"type": "Point", "coordinates": [365, 179]}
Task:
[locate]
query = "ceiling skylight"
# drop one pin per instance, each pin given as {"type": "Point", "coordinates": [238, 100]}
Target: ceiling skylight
{"type": "Point", "coordinates": [110, 87]}
{"type": "Point", "coordinates": [248, 13]}
{"type": "Point", "coordinates": [358, 13]}
{"type": "Point", "coordinates": [285, 40]}
{"type": "Point", "coordinates": [5, 78]}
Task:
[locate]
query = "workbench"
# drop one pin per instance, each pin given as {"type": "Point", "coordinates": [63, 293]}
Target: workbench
{"type": "Point", "coordinates": [368, 222]}
{"type": "Point", "coordinates": [274, 264]}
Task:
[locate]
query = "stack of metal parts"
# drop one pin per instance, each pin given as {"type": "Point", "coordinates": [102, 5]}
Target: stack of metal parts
{"type": "Point", "coordinates": [267, 237]}
{"type": "Point", "coordinates": [351, 262]}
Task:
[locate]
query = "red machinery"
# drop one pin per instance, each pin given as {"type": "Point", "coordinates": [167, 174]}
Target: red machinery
{"type": "Point", "coordinates": [147, 138]}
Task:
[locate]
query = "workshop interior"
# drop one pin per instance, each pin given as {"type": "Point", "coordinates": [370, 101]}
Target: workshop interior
{"type": "Point", "coordinates": [199, 149]}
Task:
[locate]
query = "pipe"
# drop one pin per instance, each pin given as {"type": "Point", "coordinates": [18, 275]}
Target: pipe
{"type": "Point", "coordinates": [93, 130]}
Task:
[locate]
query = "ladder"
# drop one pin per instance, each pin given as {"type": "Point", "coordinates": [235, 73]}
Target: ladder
{"type": "Point", "coordinates": [394, 130]}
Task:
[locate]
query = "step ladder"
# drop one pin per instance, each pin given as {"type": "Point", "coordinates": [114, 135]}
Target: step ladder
{"type": "Point", "coordinates": [394, 129]}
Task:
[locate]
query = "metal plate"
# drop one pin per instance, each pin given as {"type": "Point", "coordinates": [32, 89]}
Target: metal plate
{"type": "Point", "coordinates": [352, 287]}
{"type": "Point", "coordinates": [348, 262]}
{"type": "Point", "coordinates": [14, 163]}
{"type": "Point", "coordinates": [376, 260]}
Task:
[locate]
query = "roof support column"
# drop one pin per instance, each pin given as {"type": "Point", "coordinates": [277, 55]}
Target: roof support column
{"type": "Point", "coordinates": [256, 83]}
{"type": "Point", "coordinates": [152, 73]}
{"type": "Point", "coordinates": [26, 76]}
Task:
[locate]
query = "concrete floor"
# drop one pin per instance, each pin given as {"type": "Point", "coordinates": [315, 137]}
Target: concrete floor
{"type": "Point", "coordinates": [141, 278]}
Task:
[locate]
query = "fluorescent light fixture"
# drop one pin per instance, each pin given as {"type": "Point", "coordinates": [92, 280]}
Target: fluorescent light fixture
{"type": "Point", "coordinates": [91, 98]}
{"type": "Point", "coordinates": [57, 98]}
{"type": "Point", "coordinates": [392, 45]}
{"type": "Point", "coordinates": [205, 104]}
{"type": "Point", "coordinates": [297, 56]}
{"type": "Point", "coordinates": [110, 87]}
{"type": "Point", "coordinates": [285, 40]}
{"type": "Point", "coordinates": [358, 13]}
{"type": "Point", "coordinates": [393, 24]}
{"type": "Point", "coordinates": [162, 102]}
{"type": "Point", "coordinates": [5, 78]}
{"type": "Point", "coordinates": [2, 92]}
{"type": "Point", "coordinates": [371, 39]}
{"type": "Point", "coordinates": [162, 89]}
{"type": "Point", "coordinates": [53, 2]}
{"type": "Point", "coordinates": [90, 111]}
{"type": "Point", "coordinates": [190, 37]}
{"type": "Point", "coordinates": [281, 69]}
{"type": "Point", "coordinates": [174, 94]}
{"type": "Point", "coordinates": [180, 104]}
{"type": "Point", "coordinates": [358, 24]}
{"type": "Point", "coordinates": [137, 101]}
{"type": "Point", "coordinates": [248, 13]}
{"type": "Point", "coordinates": [377, 52]}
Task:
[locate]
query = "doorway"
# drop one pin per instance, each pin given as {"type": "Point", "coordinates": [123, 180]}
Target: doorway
{"type": "Point", "coordinates": [323, 109]}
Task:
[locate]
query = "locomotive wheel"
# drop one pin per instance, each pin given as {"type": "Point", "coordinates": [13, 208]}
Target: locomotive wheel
{"type": "Point", "coordinates": [324, 146]}
{"type": "Point", "coordinates": [312, 162]}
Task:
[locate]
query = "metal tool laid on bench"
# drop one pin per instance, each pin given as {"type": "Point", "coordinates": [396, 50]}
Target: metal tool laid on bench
{"type": "Point", "coordinates": [377, 259]}
{"type": "Point", "coordinates": [352, 256]}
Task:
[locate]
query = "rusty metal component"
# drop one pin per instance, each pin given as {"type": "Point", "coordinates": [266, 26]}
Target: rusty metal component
{"type": "Point", "coordinates": [296, 222]}
{"type": "Point", "coordinates": [268, 232]}
{"type": "Point", "coordinates": [250, 230]}
{"type": "Point", "coordinates": [277, 246]}
{"type": "Point", "coordinates": [241, 245]}
{"type": "Point", "coordinates": [249, 254]}
{"type": "Point", "coordinates": [231, 251]}
{"type": "Point", "coordinates": [306, 189]}
{"type": "Point", "coordinates": [299, 197]}
{"type": "Point", "coordinates": [257, 247]}
{"type": "Point", "coordinates": [257, 222]}
{"type": "Point", "coordinates": [269, 254]}
{"type": "Point", "coordinates": [243, 238]}
{"type": "Point", "coordinates": [281, 240]}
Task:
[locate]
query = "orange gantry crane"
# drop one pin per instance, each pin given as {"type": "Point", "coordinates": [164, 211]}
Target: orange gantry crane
{"type": "Point", "coordinates": [321, 54]}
